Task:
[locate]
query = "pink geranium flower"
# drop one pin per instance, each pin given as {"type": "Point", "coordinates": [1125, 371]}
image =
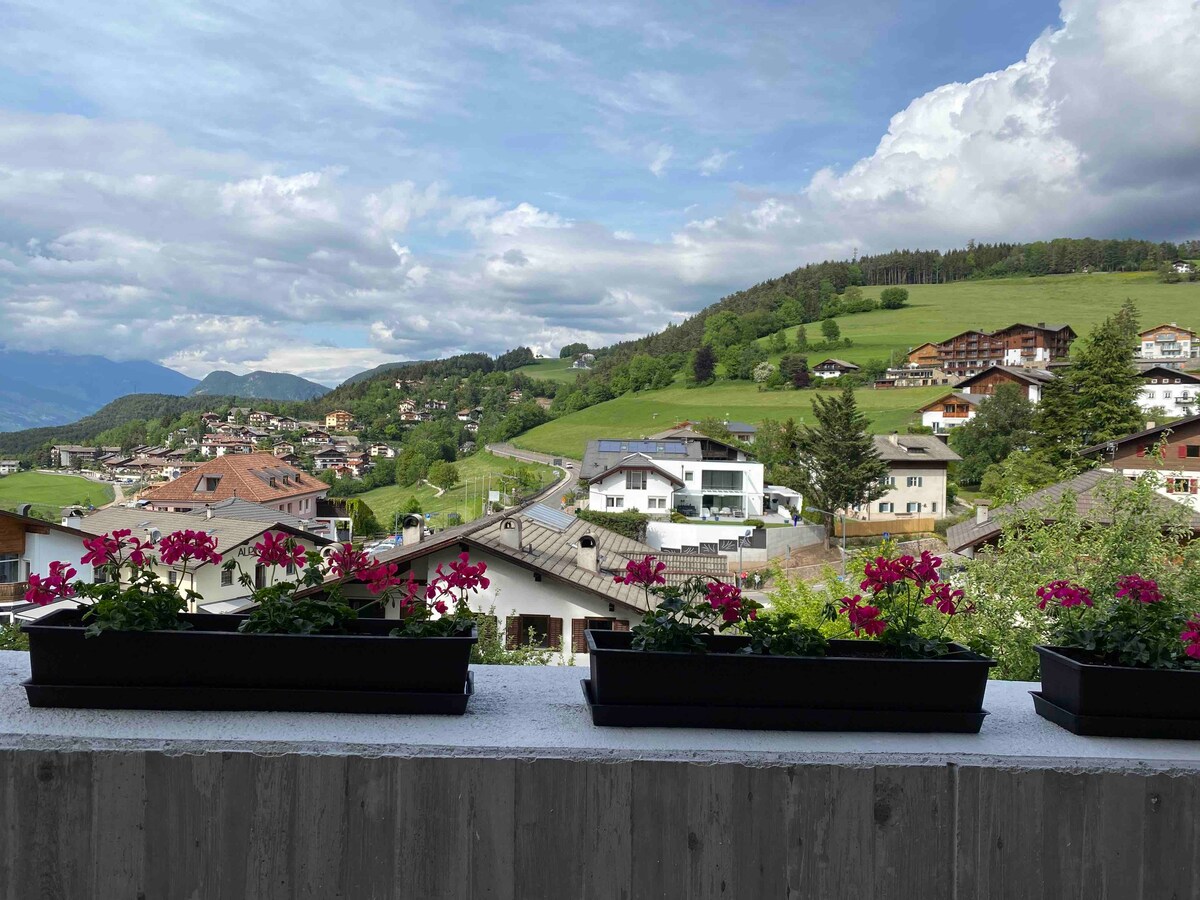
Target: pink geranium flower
{"type": "Point", "coordinates": [54, 586]}
{"type": "Point", "coordinates": [1135, 587]}
{"type": "Point", "coordinates": [646, 573]}
{"type": "Point", "coordinates": [279, 549]}
{"type": "Point", "coordinates": [186, 545]}
{"type": "Point", "coordinates": [1065, 593]}
{"type": "Point", "coordinates": [1191, 637]}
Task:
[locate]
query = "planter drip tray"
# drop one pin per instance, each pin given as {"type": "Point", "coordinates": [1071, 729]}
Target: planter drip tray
{"type": "Point", "coordinates": [73, 696]}
{"type": "Point", "coordinates": [1116, 726]}
{"type": "Point", "coordinates": [780, 718]}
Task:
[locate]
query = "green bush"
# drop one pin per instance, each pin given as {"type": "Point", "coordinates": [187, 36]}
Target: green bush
{"type": "Point", "coordinates": [755, 523]}
{"type": "Point", "coordinates": [11, 638]}
{"type": "Point", "coordinates": [491, 648]}
{"type": "Point", "coordinates": [630, 524]}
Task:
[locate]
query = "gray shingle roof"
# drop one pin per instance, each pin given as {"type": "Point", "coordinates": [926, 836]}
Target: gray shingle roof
{"type": "Point", "coordinates": [244, 510]}
{"type": "Point", "coordinates": [913, 448]}
{"type": "Point", "coordinates": [597, 461]}
{"type": "Point", "coordinates": [1089, 502]}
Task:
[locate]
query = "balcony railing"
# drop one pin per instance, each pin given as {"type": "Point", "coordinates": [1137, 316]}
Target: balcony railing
{"type": "Point", "coordinates": [524, 798]}
{"type": "Point", "coordinates": [13, 591]}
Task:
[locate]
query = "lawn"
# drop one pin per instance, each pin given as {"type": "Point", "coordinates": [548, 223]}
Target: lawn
{"type": "Point", "coordinates": [934, 313]}
{"type": "Point", "coordinates": [636, 415]}
{"type": "Point", "coordinates": [48, 493]}
{"type": "Point", "coordinates": [551, 370]}
{"type": "Point", "coordinates": [477, 474]}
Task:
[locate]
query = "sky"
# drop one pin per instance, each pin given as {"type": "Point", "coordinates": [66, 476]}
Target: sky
{"type": "Point", "coordinates": [319, 188]}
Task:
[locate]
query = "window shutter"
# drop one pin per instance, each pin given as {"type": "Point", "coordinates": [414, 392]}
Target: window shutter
{"type": "Point", "coordinates": [620, 624]}
{"type": "Point", "coordinates": [1141, 451]}
{"type": "Point", "coordinates": [555, 633]}
{"type": "Point", "coordinates": [578, 641]}
{"type": "Point", "coordinates": [1192, 486]}
{"type": "Point", "coordinates": [512, 628]}
{"type": "Point", "coordinates": [1183, 451]}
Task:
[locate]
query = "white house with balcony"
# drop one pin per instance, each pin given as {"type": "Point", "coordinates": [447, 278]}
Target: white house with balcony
{"type": "Point", "coordinates": [1169, 390]}
{"type": "Point", "coordinates": [698, 477]}
{"type": "Point", "coordinates": [1168, 342]}
{"type": "Point", "coordinates": [916, 480]}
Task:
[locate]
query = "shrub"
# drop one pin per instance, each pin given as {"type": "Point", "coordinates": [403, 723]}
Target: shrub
{"type": "Point", "coordinates": [630, 524]}
{"type": "Point", "coordinates": [11, 638]}
{"type": "Point", "coordinates": [893, 297]}
{"type": "Point", "coordinates": [755, 523]}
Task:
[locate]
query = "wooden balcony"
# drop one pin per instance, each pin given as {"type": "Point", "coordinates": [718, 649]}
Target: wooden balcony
{"type": "Point", "coordinates": [13, 591]}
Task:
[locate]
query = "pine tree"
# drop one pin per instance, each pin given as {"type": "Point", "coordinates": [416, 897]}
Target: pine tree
{"type": "Point", "coordinates": [841, 467]}
{"type": "Point", "coordinates": [704, 363]}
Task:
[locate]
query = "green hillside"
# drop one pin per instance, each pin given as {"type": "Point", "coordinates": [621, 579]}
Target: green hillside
{"type": "Point", "coordinates": [557, 370]}
{"type": "Point", "coordinates": [938, 311]}
{"type": "Point", "coordinates": [935, 312]}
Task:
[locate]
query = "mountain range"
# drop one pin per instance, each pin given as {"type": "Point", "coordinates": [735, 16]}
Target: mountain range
{"type": "Point", "coordinates": [258, 386]}
{"type": "Point", "coordinates": [43, 389]}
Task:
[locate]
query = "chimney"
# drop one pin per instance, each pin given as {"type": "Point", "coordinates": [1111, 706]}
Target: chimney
{"type": "Point", "coordinates": [208, 512]}
{"type": "Point", "coordinates": [981, 512]}
{"type": "Point", "coordinates": [413, 529]}
{"type": "Point", "coordinates": [894, 439]}
{"type": "Point", "coordinates": [510, 533]}
{"type": "Point", "coordinates": [587, 554]}
{"type": "Point", "coordinates": [72, 517]}
{"type": "Point", "coordinates": [1150, 425]}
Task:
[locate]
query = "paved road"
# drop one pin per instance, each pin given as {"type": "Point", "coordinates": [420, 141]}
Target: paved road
{"type": "Point", "coordinates": [569, 481]}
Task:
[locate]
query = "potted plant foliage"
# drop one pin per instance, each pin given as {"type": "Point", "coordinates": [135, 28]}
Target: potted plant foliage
{"type": "Point", "coordinates": [704, 656]}
{"type": "Point", "coordinates": [1124, 659]}
{"type": "Point", "coordinates": [303, 647]}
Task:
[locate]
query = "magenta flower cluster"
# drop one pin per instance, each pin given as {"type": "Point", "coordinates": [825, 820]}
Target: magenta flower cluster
{"type": "Point", "coordinates": [863, 616]}
{"type": "Point", "coordinates": [727, 599]}
{"type": "Point", "coordinates": [182, 546]}
{"type": "Point", "coordinates": [279, 549]}
{"type": "Point", "coordinates": [1065, 593]}
{"type": "Point", "coordinates": [1191, 638]}
{"type": "Point", "coordinates": [646, 573]}
{"type": "Point", "coordinates": [55, 586]}
{"type": "Point", "coordinates": [1135, 587]}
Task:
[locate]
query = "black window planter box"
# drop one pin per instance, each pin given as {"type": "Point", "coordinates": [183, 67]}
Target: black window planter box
{"type": "Point", "coordinates": [213, 666]}
{"type": "Point", "coordinates": [858, 687]}
{"type": "Point", "coordinates": [1085, 696]}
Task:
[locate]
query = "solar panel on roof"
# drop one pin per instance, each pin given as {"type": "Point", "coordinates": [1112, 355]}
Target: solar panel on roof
{"type": "Point", "coordinates": [674, 447]}
{"type": "Point", "coordinates": [610, 446]}
{"type": "Point", "coordinates": [550, 518]}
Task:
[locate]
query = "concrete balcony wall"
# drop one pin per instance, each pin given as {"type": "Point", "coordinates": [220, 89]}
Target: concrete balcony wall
{"type": "Point", "coordinates": [524, 798]}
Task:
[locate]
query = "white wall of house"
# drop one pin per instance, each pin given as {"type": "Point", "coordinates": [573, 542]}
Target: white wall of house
{"type": "Point", "coordinates": [748, 498]}
{"type": "Point", "coordinates": [1178, 399]}
{"type": "Point", "coordinates": [936, 419]}
{"type": "Point", "coordinates": [1015, 356]}
{"type": "Point", "coordinates": [1178, 345]}
{"type": "Point", "coordinates": [514, 591]}
{"type": "Point", "coordinates": [913, 491]}
{"type": "Point", "coordinates": [1182, 487]}
{"type": "Point", "coordinates": [614, 495]}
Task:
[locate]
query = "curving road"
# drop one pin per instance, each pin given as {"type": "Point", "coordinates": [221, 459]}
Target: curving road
{"type": "Point", "coordinates": [569, 481]}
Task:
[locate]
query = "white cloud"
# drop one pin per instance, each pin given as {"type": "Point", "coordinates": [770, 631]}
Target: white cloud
{"type": "Point", "coordinates": [149, 247]}
{"type": "Point", "coordinates": [714, 162]}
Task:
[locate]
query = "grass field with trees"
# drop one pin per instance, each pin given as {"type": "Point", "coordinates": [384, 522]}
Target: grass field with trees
{"type": "Point", "coordinates": [464, 499]}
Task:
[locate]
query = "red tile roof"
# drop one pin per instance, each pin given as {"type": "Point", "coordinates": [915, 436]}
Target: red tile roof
{"type": "Point", "coordinates": [244, 475]}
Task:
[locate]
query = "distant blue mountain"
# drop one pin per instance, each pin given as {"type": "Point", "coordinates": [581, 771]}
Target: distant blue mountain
{"type": "Point", "coordinates": [38, 389]}
{"type": "Point", "coordinates": [259, 386]}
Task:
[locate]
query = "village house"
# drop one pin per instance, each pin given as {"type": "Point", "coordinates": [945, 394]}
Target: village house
{"type": "Point", "coordinates": [515, 396]}
{"type": "Point", "coordinates": [221, 590]}
{"type": "Point", "coordinates": [697, 477]}
{"type": "Point", "coordinates": [1182, 267]}
{"type": "Point", "coordinates": [9, 466]}
{"type": "Point", "coordinates": [27, 547]}
{"type": "Point", "coordinates": [950, 411]}
{"type": "Point", "coordinates": [463, 415]}
{"type": "Point", "coordinates": [1171, 452]}
{"type": "Point", "coordinates": [314, 438]}
{"type": "Point", "coordinates": [257, 477]}
{"type": "Point", "coordinates": [284, 423]}
{"type": "Point", "coordinates": [1169, 390]}
{"type": "Point", "coordinates": [584, 361]}
{"type": "Point", "coordinates": [1030, 380]}
{"type": "Point", "coordinates": [743, 431]}
{"type": "Point", "coordinates": [550, 573]}
{"type": "Point", "coordinates": [385, 450]}
{"type": "Point", "coordinates": [1086, 490]}
{"type": "Point", "coordinates": [913, 375]}
{"type": "Point", "coordinates": [258, 418]}
{"type": "Point", "coordinates": [833, 368]}
{"type": "Point", "coordinates": [237, 414]}
{"type": "Point", "coordinates": [409, 416]}
{"type": "Point", "coordinates": [436, 404]}
{"type": "Point", "coordinates": [1017, 345]}
{"type": "Point", "coordinates": [924, 355]}
{"type": "Point", "coordinates": [219, 445]}
{"type": "Point", "coordinates": [407, 405]}
{"type": "Point", "coordinates": [283, 448]}
{"type": "Point", "coordinates": [339, 420]}
{"type": "Point", "coordinates": [328, 458]}
{"type": "Point", "coordinates": [71, 456]}
{"type": "Point", "coordinates": [1168, 342]}
{"type": "Point", "coordinates": [917, 477]}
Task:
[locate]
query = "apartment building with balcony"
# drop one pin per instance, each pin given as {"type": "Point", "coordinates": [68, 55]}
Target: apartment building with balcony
{"type": "Point", "coordinates": [950, 411]}
{"type": "Point", "coordinates": [1016, 345]}
{"type": "Point", "coordinates": [27, 547]}
{"type": "Point", "coordinates": [1168, 342]}
{"type": "Point", "coordinates": [699, 477]}
{"type": "Point", "coordinates": [1170, 390]}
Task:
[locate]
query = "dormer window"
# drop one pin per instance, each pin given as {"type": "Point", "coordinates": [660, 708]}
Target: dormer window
{"type": "Point", "coordinates": [210, 483]}
{"type": "Point", "coordinates": [271, 481]}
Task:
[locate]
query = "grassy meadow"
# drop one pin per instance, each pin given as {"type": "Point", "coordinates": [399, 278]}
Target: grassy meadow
{"type": "Point", "coordinates": [551, 370]}
{"type": "Point", "coordinates": [934, 313]}
{"type": "Point", "coordinates": [466, 499]}
{"type": "Point", "coordinates": [48, 493]}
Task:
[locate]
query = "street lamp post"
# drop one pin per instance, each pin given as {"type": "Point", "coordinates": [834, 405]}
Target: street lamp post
{"type": "Point", "coordinates": [749, 531]}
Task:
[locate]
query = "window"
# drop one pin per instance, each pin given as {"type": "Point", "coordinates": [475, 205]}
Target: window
{"type": "Point", "coordinates": [260, 577]}
{"type": "Point", "coordinates": [915, 481]}
{"type": "Point", "coordinates": [600, 624]}
{"type": "Point", "coordinates": [172, 577]}
{"type": "Point", "coordinates": [887, 480]}
{"type": "Point", "coordinates": [721, 481]}
{"type": "Point", "coordinates": [1180, 485]}
{"type": "Point", "coordinates": [1166, 395]}
{"type": "Point", "coordinates": [913, 508]}
{"type": "Point", "coordinates": [658, 503]}
{"type": "Point", "coordinates": [887, 507]}
{"type": "Point", "coordinates": [226, 577]}
{"type": "Point", "coordinates": [933, 507]}
{"type": "Point", "coordinates": [1193, 451]}
{"type": "Point", "coordinates": [1149, 395]}
{"type": "Point", "coordinates": [614, 502]}
{"type": "Point", "coordinates": [10, 568]}
{"type": "Point", "coordinates": [635, 481]}
{"type": "Point", "coordinates": [99, 575]}
{"type": "Point", "coordinates": [687, 476]}
{"type": "Point", "coordinates": [210, 484]}
{"type": "Point", "coordinates": [534, 630]}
